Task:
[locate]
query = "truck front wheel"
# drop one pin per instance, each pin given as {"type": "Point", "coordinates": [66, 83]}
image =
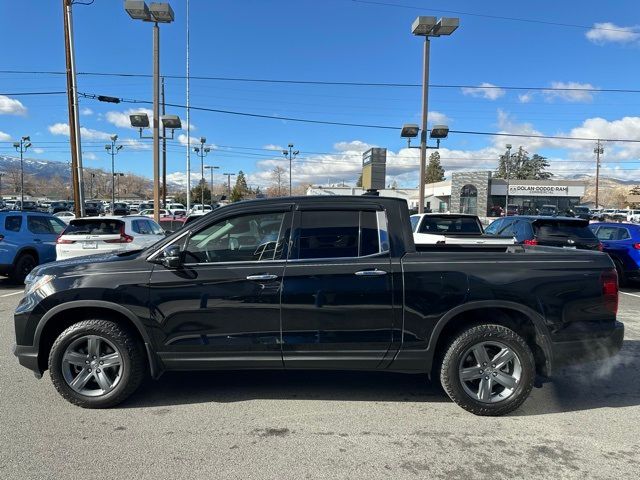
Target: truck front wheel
{"type": "Point", "coordinates": [488, 370]}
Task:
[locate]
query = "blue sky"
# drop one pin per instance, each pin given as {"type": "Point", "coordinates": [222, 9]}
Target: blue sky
{"type": "Point", "coordinates": [333, 40]}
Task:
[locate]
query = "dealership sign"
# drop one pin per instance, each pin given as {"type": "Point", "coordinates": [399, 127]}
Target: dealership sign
{"type": "Point", "coordinates": [539, 190]}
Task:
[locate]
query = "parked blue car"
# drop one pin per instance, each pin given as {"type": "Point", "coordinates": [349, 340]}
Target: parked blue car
{"type": "Point", "coordinates": [622, 242]}
{"type": "Point", "coordinates": [27, 239]}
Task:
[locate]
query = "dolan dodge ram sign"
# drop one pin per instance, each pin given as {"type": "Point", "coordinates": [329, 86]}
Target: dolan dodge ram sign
{"type": "Point", "coordinates": [539, 190]}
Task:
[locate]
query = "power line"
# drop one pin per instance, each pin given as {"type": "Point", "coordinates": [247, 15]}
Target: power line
{"type": "Point", "coordinates": [493, 17]}
{"type": "Point", "coordinates": [24, 94]}
{"type": "Point", "coordinates": [362, 125]}
{"type": "Point", "coordinates": [334, 83]}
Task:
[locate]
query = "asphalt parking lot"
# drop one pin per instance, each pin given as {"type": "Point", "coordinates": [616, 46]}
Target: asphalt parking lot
{"type": "Point", "coordinates": [583, 424]}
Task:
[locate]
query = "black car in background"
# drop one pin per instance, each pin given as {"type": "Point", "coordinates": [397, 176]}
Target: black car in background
{"type": "Point", "coordinates": [548, 231]}
{"type": "Point", "coordinates": [582, 212]}
{"type": "Point", "coordinates": [55, 207]}
{"type": "Point", "coordinates": [120, 208]}
{"type": "Point", "coordinates": [27, 206]}
{"type": "Point", "coordinates": [92, 209]}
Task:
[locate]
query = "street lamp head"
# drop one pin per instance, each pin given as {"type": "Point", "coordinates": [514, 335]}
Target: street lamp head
{"type": "Point", "coordinates": [26, 139]}
{"type": "Point", "coordinates": [291, 145]}
{"type": "Point", "coordinates": [439, 131]}
{"type": "Point", "coordinates": [508, 146]}
{"type": "Point", "coordinates": [409, 130]}
{"type": "Point", "coordinates": [296, 152]}
{"type": "Point", "coordinates": [137, 9]}
{"type": "Point", "coordinates": [285, 152]}
{"type": "Point", "coordinates": [446, 26]}
{"type": "Point", "coordinates": [422, 26]}
{"type": "Point", "coordinates": [16, 144]}
{"type": "Point", "coordinates": [119, 147]}
{"type": "Point", "coordinates": [27, 145]}
{"type": "Point", "coordinates": [139, 120]}
{"type": "Point", "coordinates": [107, 148]}
{"type": "Point", "coordinates": [171, 122]}
{"type": "Point", "coordinates": [161, 12]}
{"type": "Point", "coordinates": [196, 149]}
{"type": "Point", "coordinates": [207, 149]}
{"type": "Point", "coordinates": [114, 138]}
{"type": "Point", "coordinates": [203, 139]}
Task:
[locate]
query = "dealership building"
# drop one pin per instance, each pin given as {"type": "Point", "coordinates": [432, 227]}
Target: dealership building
{"type": "Point", "coordinates": [480, 194]}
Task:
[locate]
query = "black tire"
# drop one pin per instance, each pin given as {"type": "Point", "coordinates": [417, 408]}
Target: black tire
{"type": "Point", "coordinates": [453, 358]}
{"type": "Point", "coordinates": [622, 278]}
{"type": "Point", "coordinates": [23, 266]}
{"type": "Point", "coordinates": [132, 366]}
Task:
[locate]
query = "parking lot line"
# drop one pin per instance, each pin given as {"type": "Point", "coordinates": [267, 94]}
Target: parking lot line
{"type": "Point", "coordinates": [12, 293]}
{"type": "Point", "coordinates": [630, 294]}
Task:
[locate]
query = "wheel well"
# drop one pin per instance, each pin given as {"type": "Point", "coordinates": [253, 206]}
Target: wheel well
{"type": "Point", "coordinates": [64, 319]}
{"type": "Point", "coordinates": [30, 251]}
{"type": "Point", "coordinates": [513, 319]}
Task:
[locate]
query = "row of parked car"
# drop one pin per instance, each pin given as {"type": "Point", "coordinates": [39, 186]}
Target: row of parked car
{"type": "Point", "coordinates": [621, 240]}
{"type": "Point", "coordinates": [29, 238]}
{"type": "Point", "coordinates": [580, 211]}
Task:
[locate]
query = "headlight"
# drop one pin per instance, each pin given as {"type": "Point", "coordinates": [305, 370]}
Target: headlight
{"type": "Point", "coordinates": [36, 283]}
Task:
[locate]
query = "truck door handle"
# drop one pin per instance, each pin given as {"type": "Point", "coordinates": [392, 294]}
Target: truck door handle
{"type": "Point", "coordinates": [264, 276]}
{"type": "Point", "coordinates": [371, 273]}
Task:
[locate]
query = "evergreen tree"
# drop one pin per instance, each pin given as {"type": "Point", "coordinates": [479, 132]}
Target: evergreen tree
{"type": "Point", "coordinates": [435, 172]}
{"type": "Point", "coordinates": [359, 182]}
{"type": "Point", "coordinates": [240, 190]}
{"type": "Point", "coordinates": [522, 167]}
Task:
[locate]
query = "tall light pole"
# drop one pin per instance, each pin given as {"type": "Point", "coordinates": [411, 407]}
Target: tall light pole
{"type": "Point", "coordinates": [428, 27]}
{"type": "Point", "coordinates": [188, 121]}
{"type": "Point", "coordinates": [291, 153]}
{"type": "Point", "coordinates": [156, 13]}
{"type": "Point", "coordinates": [211, 168]}
{"type": "Point", "coordinates": [202, 152]}
{"type": "Point", "coordinates": [599, 150]}
{"type": "Point", "coordinates": [229, 175]}
{"type": "Point", "coordinates": [21, 147]}
{"type": "Point", "coordinates": [113, 150]}
{"type": "Point", "coordinates": [118, 175]}
{"type": "Point", "coordinates": [507, 165]}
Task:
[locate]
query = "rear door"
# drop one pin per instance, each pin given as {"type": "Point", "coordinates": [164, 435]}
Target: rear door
{"type": "Point", "coordinates": [43, 231]}
{"type": "Point", "coordinates": [337, 297]}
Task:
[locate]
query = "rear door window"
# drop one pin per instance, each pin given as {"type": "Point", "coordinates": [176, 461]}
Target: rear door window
{"type": "Point", "coordinates": [94, 227]}
{"type": "Point", "coordinates": [40, 225]}
{"type": "Point", "coordinates": [13, 223]}
{"type": "Point", "coordinates": [449, 225]}
{"type": "Point", "coordinates": [494, 227]}
{"type": "Point", "coordinates": [613, 233]}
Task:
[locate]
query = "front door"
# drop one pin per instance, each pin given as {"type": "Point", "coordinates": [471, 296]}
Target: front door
{"type": "Point", "coordinates": [337, 298]}
{"type": "Point", "coordinates": [221, 307]}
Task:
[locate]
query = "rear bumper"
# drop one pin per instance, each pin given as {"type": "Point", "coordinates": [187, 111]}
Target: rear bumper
{"type": "Point", "coordinates": [5, 268]}
{"type": "Point", "coordinates": [588, 349]}
{"type": "Point", "coordinates": [28, 357]}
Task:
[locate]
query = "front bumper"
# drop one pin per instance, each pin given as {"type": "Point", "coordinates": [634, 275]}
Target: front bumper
{"type": "Point", "coordinates": [588, 349]}
{"type": "Point", "coordinates": [28, 357]}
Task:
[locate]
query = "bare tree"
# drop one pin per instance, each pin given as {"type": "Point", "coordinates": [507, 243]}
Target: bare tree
{"type": "Point", "coordinates": [278, 182]}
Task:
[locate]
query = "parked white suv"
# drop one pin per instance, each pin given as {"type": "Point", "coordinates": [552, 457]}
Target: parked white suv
{"type": "Point", "coordinates": [633, 216]}
{"type": "Point", "coordinates": [94, 235]}
{"type": "Point", "coordinates": [176, 209]}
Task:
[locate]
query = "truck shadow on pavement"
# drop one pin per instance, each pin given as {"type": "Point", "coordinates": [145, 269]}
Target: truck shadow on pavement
{"type": "Point", "coordinates": [613, 383]}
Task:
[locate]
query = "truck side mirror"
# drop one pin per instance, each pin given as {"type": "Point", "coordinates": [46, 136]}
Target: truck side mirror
{"type": "Point", "coordinates": [171, 257]}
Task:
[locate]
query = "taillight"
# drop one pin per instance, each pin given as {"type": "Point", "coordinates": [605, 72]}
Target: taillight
{"type": "Point", "coordinates": [600, 247]}
{"type": "Point", "coordinates": [533, 241]}
{"type": "Point", "coordinates": [61, 241]}
{"type": "Point", "coordinates": [635, 245]}
{"type": "Point", "coordinates": [609, 280]}
{"type": "Point", "coordinates": [1, 237]}
{"type": "Point", "coordinates": [124, 238]}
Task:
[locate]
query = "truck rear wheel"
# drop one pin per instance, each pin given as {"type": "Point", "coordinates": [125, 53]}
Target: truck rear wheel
{"type": "Point", "coordinates": [96, 364]}
{"type": "Point", "coordinates": [23, 266]}
{"type": "Point", "coordinates": [488, 370]}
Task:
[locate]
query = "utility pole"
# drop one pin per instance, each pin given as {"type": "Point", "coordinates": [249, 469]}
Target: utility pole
{"type": "Point", "coordinates": [507, 163]}
{"type": "Point", "coordinates": [229, 175]}
{"type": "Point", "coordinates": [74, 120]}
{"type": "Point", "coordinates": [188, 122]}
{"type": "Point", "coordinates": [93, 175]}
{"type": "Point", "coordinates": [164, 154]}
{"type": "Point", "coordinates": [118, 175]}
{"type": "Point", "coordinates": [211, 168]}
{"type": "Point", "coordinates": [291, 154]}
{"type": "Point", "coordinates": [599, 150]}
{"type": "Point", "coordinates": [21, 147]}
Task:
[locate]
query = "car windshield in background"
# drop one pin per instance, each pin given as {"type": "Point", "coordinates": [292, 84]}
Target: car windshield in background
{"type": "Point", "coordinates": [414, 222]}
{"type": "Point", "coordinates": [550, 228]}
{"type": "Point", "coordinates": [94, 227]}
{"type": "Point", "coordinates": [453, 225]}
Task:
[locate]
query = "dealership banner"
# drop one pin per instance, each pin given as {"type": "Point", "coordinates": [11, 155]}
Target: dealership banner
{"type": "Point", "coordinates": [539, 190]}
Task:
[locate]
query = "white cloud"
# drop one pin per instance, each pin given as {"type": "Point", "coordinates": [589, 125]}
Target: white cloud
{"type": "Point", "coordinates": [275, 148]}
{"type": "Point", "coordinates": [11, 106]}
{"type": "Point", "coordinates": [194, 141]}
{"type": "Point", "coordinates": [525, 97]}
{"type": "Point", "coordinates": [38, 151]}
{"type": "Point", "coordinates": [89, 156]}
{"type": "Point", "coordinates": [608, 32]}
{"type": "Point", "coordinates": [5, 137]}
{"type": "Point", "coordinates": [438, 118]}
{"type": "Point", "coordinates": [485, 90]}
{"type": "Point", "coordinates": [86, 111]}
{"type": "Point", "coordinates": [135, 144]}
{"type": "Point", "coordinates": [574, 96]}
{"type": "Point", "coordinates": [85, 133]}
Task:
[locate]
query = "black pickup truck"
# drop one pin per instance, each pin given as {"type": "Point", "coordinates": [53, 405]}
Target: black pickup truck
{"type": "Point", "coordinates": [318, 283]}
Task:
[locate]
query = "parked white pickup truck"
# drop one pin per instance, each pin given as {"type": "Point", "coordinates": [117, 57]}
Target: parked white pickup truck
{"type": "Point", "coordinates": [452, 229]}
